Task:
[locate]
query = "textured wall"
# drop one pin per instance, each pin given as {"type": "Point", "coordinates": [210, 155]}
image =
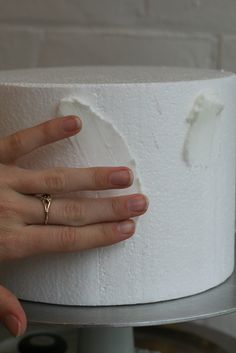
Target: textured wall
{"type": "Point", "coordinates": [72, 32]}
{"type": "Point", "coordinates": [194, 33]}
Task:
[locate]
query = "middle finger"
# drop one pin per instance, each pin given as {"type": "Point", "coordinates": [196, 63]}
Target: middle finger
{"type": "Point", "coordinates": [61, 179]}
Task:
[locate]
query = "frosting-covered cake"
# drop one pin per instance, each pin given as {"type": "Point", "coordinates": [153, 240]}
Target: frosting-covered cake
{"type": "Point", "coordinates": [175, 128]}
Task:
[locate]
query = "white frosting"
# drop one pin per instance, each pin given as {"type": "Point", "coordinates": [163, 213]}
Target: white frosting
{"type": "Point", "coordinates": [99, 143]}
{"type": "Point", "coordinates": [203, 120]}
{"type": "Point", "coordinates": [184, 244]}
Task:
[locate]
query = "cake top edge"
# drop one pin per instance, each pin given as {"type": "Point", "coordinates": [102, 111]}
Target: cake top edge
{"type": "Point", "coordinates": [106, 75]}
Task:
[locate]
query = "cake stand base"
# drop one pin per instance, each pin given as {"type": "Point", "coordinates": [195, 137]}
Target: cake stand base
{"type": "Point", "coordinates": [110, 329]}
{"type": "Point", "coordinates": [183, 338]}
{"type": "Point", "coordinates": [217, 301]}
{"type": "Point", "coordinates": [105, 340]}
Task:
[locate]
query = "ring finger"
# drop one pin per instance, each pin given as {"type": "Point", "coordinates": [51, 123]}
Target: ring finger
{"type": "Point", "coordinates": [84, 211]}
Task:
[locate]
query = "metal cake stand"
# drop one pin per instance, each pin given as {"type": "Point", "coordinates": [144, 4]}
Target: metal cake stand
{"type": "Point", "coordinates": [217, 301]}
{"type": "Point", "coordinates": [109, 329]}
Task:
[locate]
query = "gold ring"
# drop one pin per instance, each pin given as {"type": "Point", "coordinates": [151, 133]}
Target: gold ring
{"type": "Point", "coordinates": [46, 200]}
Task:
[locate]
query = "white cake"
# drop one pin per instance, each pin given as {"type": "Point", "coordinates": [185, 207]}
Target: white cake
{"type": "Point", "coordinates": [176, 129]}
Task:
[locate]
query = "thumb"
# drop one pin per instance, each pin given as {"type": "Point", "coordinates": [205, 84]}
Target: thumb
{"type": "Point", "coordinates": [12, 315]}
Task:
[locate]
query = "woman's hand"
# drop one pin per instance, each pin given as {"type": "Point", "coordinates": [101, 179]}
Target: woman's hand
{"type": "Point", "coordinates": [73, 224]}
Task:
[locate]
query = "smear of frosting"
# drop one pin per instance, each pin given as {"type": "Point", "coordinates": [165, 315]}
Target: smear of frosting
{"type": "Point", "coordinates": [203, 120]}
{"type": "Point", "coordinates": [98, 143]}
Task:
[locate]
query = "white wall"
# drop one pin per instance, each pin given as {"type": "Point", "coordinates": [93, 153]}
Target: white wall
{"type": "Point", "coordinates": [194, 33]}
{"type": "Point", "coordinates": [72, 32]}
{"type": "Point", "coordinates": [199, 33]}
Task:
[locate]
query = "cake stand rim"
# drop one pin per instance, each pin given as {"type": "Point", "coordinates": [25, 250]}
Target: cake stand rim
{"type": "Point", "coordinates": [216, 301]}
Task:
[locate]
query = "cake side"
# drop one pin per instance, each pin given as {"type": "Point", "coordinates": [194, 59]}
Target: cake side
{"type": "Point", "coordinates": [185, 242]}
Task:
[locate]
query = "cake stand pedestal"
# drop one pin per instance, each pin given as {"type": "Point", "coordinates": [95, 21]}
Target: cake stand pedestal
{"type": "Point", "coordinates": [110, 329]}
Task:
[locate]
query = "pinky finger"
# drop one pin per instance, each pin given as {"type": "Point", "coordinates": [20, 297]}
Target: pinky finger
{"type": "Point", "coordinates": [44, 239]}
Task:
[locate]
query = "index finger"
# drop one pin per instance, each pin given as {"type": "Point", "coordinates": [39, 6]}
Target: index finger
{"type": "Point", "coordinates": [27, 140]}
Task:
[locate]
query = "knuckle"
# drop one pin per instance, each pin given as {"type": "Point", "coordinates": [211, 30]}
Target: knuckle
{"type": "Point", "coordinates": [47, 131]}
{"type": "Point", "coordinates": [68, 240]}
{"type": "Point", "coordinates": [99, 180]}
{"type": "Point", "coordinates": [15, 143]}
{"type": "Point", "coordinates": [7, 211]}
{"type": "Point", "coordinates": [4, 207]}
{"type": "Point", "coordinates": [55, 181]}
{"type": "Point", "coordinates": [116, 206]}
{"type": "Point", "coordinates": [107, 234]}
{"type": "Point", "coordinates": [74, 212]}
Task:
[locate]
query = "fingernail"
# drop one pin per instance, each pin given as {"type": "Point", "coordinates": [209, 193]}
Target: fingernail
{"type": "Point", "coordinates": [121, 177]}
{"type": "Point", "coordinates": [126, 227]}
{"type": "Point", "coordinates": [71, 124]}
{"type": "Point", "coordinates": [12, 324]}
{"type": "Point", "coordinates": [137, 203]}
